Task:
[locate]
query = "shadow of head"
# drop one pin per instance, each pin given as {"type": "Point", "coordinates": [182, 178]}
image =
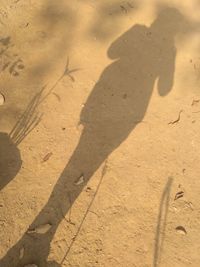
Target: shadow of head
{"type": "Point", "coordinates": [149, 53]}
{"type": "Point", "coordinates": [169, 21]}
{"type": "Point", "coordinates": [10, 160]}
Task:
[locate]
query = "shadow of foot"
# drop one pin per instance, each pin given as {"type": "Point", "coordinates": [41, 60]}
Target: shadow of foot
{"type": "Point", "coordinates": [53, 264]}
{"type": "Point", "coordinates": [30, 251]}
{"type": "Point", "coordinates": [50, 264]}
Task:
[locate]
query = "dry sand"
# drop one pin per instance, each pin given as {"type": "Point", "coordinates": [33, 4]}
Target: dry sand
{"type": "Point", "coordinates": [99, 137]}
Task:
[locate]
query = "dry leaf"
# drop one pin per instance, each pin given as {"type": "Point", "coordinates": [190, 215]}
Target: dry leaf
{"type": "Point", "coordinates": [21, 253]}
{"type": "Point", "coordinates": [42, 229]}
{"type": "Point", "coordinates": [2, 99]}
{"type": "Point", "coordinates": [181, 230]}
{"type": "Point", "coordinates": [31, 265]}
{"type": "Point", "coordinates": [88, 189]}
{"type": "Point", "coordinates": [189, 205]}
{"type": "Point", "coordinates": [195, 102]}
{"type": "Point", "coordinates": [80, 180]}
{"type": "Point", "coordinates": [179, 195]}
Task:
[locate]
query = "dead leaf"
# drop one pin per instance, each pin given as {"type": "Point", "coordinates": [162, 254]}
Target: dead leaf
{"type": "Point", "coordinates": [123, 9]}
{"type": "Point", "coordinates": [189, 205]}
{"type": "Point", "coordinates": [70, 222]}
{"type": "Point", "coordinates": [88, 189]}
{"type": "Point", "coordinates": [195, 102]}
{"type": "Point", "coordinates": [130, 5]}
{"type": "Point", "coordinates": [179, 195]}
{"type": "Point", "coordinates": [2, 99]}
{"type": "Point", "coordinates": [181, 230]}
{"type": "Point", "coordinates": [42, 229]}
{"type": "Point", "coordinates": [47, 157]}
{"type": "Point", "coordinates": [80, 180]}
{"type": "Point", "coordinates": [178, 119]}
{"type": "Point", "coordinates": [31, 265]}
{"type": "Point", "coordinates": [21, 253]}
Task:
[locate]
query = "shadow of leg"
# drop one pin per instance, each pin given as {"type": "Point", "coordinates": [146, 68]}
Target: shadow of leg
{"type": "Point", "coordinates": [88, 156]}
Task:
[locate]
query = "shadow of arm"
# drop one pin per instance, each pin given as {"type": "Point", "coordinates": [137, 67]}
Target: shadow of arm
{"type": "Point", "coordinates": [166, 73]}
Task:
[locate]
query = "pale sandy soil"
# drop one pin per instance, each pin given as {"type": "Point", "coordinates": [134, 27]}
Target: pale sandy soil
{"type": "Point", "coordinates": [99, 133]}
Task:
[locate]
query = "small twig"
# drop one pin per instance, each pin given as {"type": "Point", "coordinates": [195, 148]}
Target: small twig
{"type": "Point", "coordinates": [91, 211]}
{"type": "Point", "coordinates": [67, 221]}
{"type": "Point", "coordinates": [105, 168]}
{"type": "Point", "coordinates": [70, 203]}
{"type": "Point", "coordinates": [86, 213]}
{"type": "Point", "coordinates": [178, 119]}
{"type": "Point", "coordinates": [195, 111]}
{"type": "Point", "coordinates": [57, 96]}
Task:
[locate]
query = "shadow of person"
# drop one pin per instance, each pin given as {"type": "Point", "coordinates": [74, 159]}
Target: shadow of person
{"type": "Point", "coordinates": [117, 103]}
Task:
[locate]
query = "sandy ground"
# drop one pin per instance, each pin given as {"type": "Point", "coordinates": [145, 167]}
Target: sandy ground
{"type": "Point", "coordinates": [99, 133]}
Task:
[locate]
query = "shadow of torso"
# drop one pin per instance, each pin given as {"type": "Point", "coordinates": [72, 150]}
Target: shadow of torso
{"type": "Point", "coordinates": [120, 98]}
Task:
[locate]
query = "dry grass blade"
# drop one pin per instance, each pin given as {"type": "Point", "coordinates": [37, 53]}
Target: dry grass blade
{"type": "Point", "coordinates": [28, 121]}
